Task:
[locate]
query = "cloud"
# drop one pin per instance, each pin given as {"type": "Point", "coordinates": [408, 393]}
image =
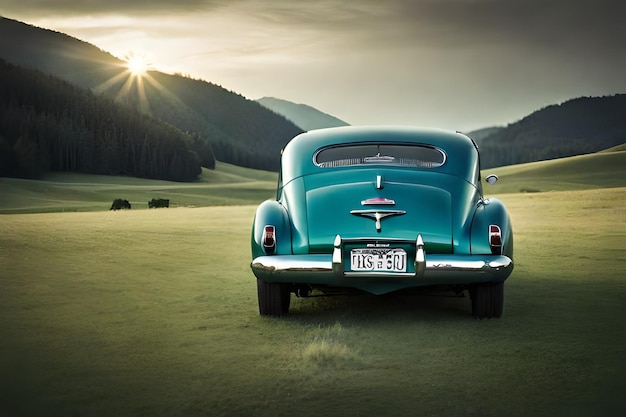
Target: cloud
{"type": "Point", "coordinates": [434, 23]}
{"type": "Point", "coordinates": [95, 7]}
{"type": "Point", "coordinates": [532, 22]}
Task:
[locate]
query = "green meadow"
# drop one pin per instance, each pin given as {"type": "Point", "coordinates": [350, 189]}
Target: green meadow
{"type": "Point", "coordinates": [154, 312]}
{"type": "Point", "coordinates": [598, 170]}
{"type": "Point", "coordinates": [63, 192]}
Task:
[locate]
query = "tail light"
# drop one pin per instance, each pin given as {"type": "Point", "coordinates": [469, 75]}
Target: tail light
{"type": "Point", "coordinates": [269, 239]}
{"type": "Point", "coordinates": [495, 239]}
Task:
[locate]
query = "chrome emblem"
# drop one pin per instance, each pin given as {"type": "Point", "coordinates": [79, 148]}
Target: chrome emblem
{"type": "Point", "coordinates": [378, 215]}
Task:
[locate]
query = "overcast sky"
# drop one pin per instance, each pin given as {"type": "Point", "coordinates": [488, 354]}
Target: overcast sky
{"type": "Point", "coordinates": [456, 64]}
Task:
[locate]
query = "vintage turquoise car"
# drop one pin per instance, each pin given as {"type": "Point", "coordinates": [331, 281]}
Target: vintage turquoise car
{"type": "Point", "coordinates": [381, 209]}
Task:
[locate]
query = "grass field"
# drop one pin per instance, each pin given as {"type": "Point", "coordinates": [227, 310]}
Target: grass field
{"type": "Point", "coordinates": [153, 313]}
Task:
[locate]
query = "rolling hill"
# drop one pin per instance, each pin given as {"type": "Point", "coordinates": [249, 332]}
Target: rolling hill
{"type": "Point", "coordinates": [605, 169]}
{"type": "Point", "coordinates": [71, 192]}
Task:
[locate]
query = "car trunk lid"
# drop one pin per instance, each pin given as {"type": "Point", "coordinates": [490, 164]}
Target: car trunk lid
{"type": "Point", "coordinates": [396, 210]}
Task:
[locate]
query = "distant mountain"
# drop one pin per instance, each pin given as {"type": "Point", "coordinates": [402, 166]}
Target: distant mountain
{"type": "Point", "coordinates": [575, 127]}
{"type": "Point", "coordinates": [239, 131]}
{"type": "Point", "coordinates": [304, 116]}
{"type": "Point", "coordinates": [480, 134]}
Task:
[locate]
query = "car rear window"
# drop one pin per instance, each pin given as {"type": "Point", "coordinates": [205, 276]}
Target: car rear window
{"type": "Point", "coordinates": [380, 154]}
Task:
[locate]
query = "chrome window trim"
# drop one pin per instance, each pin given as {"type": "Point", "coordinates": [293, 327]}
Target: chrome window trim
{"type": "Point", "coordinates": [393, 164]}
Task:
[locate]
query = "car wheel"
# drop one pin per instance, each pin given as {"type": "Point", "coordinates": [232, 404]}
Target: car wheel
{"type": "Point", "coordinates": [487, 300]}
{"type": "Point", "coordinates": [274, 298]}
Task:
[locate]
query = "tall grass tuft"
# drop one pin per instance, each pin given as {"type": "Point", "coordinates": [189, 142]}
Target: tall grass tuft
{"type": "Point", "coordinates": [328, 347]}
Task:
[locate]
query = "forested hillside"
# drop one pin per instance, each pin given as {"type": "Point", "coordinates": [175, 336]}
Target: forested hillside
{"type": "Point", "coordinates": [225, 124]}
{"type": "Point", "coordinates": [578, 126]}
{"type": "Point", "coordinates": [240, 131]}
{"type": "Point", "coordinates": [47, 124]}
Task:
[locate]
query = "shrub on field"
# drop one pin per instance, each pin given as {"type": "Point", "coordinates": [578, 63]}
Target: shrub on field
{"type": "Point", "coordinates": [119, 204]}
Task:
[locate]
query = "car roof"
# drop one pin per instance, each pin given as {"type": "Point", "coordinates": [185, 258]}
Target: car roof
{"type": "Point", "coordinates": [461, 151]}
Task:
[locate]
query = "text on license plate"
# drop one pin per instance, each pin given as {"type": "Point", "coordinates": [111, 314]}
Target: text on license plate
{"type": "Point", "coordinates": [388, 260]}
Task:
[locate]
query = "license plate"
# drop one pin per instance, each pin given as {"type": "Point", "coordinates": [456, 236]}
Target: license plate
{"type": "Point", "coordinates": [383, 260]}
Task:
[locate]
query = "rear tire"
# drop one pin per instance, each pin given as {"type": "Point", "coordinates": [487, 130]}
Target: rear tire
{"type": "Point", "coordinates": [274, 298]}
{"type": "Point", "coordinates": [487, 300]}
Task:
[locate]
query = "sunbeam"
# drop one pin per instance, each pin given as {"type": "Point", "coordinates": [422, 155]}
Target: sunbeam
{"type": "Point", "coordinates": [132, 73]}
{"type": "Point", "coordinates": [133, 88]}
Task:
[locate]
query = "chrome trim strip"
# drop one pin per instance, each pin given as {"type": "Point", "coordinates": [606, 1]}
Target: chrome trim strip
{"type": "Point", "coordinates": [350, 144]}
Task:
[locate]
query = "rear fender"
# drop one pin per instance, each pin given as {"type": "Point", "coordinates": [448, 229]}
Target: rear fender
{"type": "Point", "coordinates": [491, 211]}
{"type": "Point", "coordinates": [271, 212]}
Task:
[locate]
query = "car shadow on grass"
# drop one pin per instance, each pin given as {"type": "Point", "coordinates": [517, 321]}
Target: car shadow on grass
{"type": "Point", "coordinates": [414, 305]}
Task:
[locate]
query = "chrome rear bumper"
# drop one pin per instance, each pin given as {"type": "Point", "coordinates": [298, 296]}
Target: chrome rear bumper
{"type": "Point", "coordinates": [428, 269]}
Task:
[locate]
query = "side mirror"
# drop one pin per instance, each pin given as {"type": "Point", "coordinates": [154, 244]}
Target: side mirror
{"type": "Point", "coordinates": [491, 179]}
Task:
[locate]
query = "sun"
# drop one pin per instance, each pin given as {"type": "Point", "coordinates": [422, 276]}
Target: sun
{"type": "Point", "coordinates": [133, 81]}
{"type": "Point", "coordinates": [137, 64]}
